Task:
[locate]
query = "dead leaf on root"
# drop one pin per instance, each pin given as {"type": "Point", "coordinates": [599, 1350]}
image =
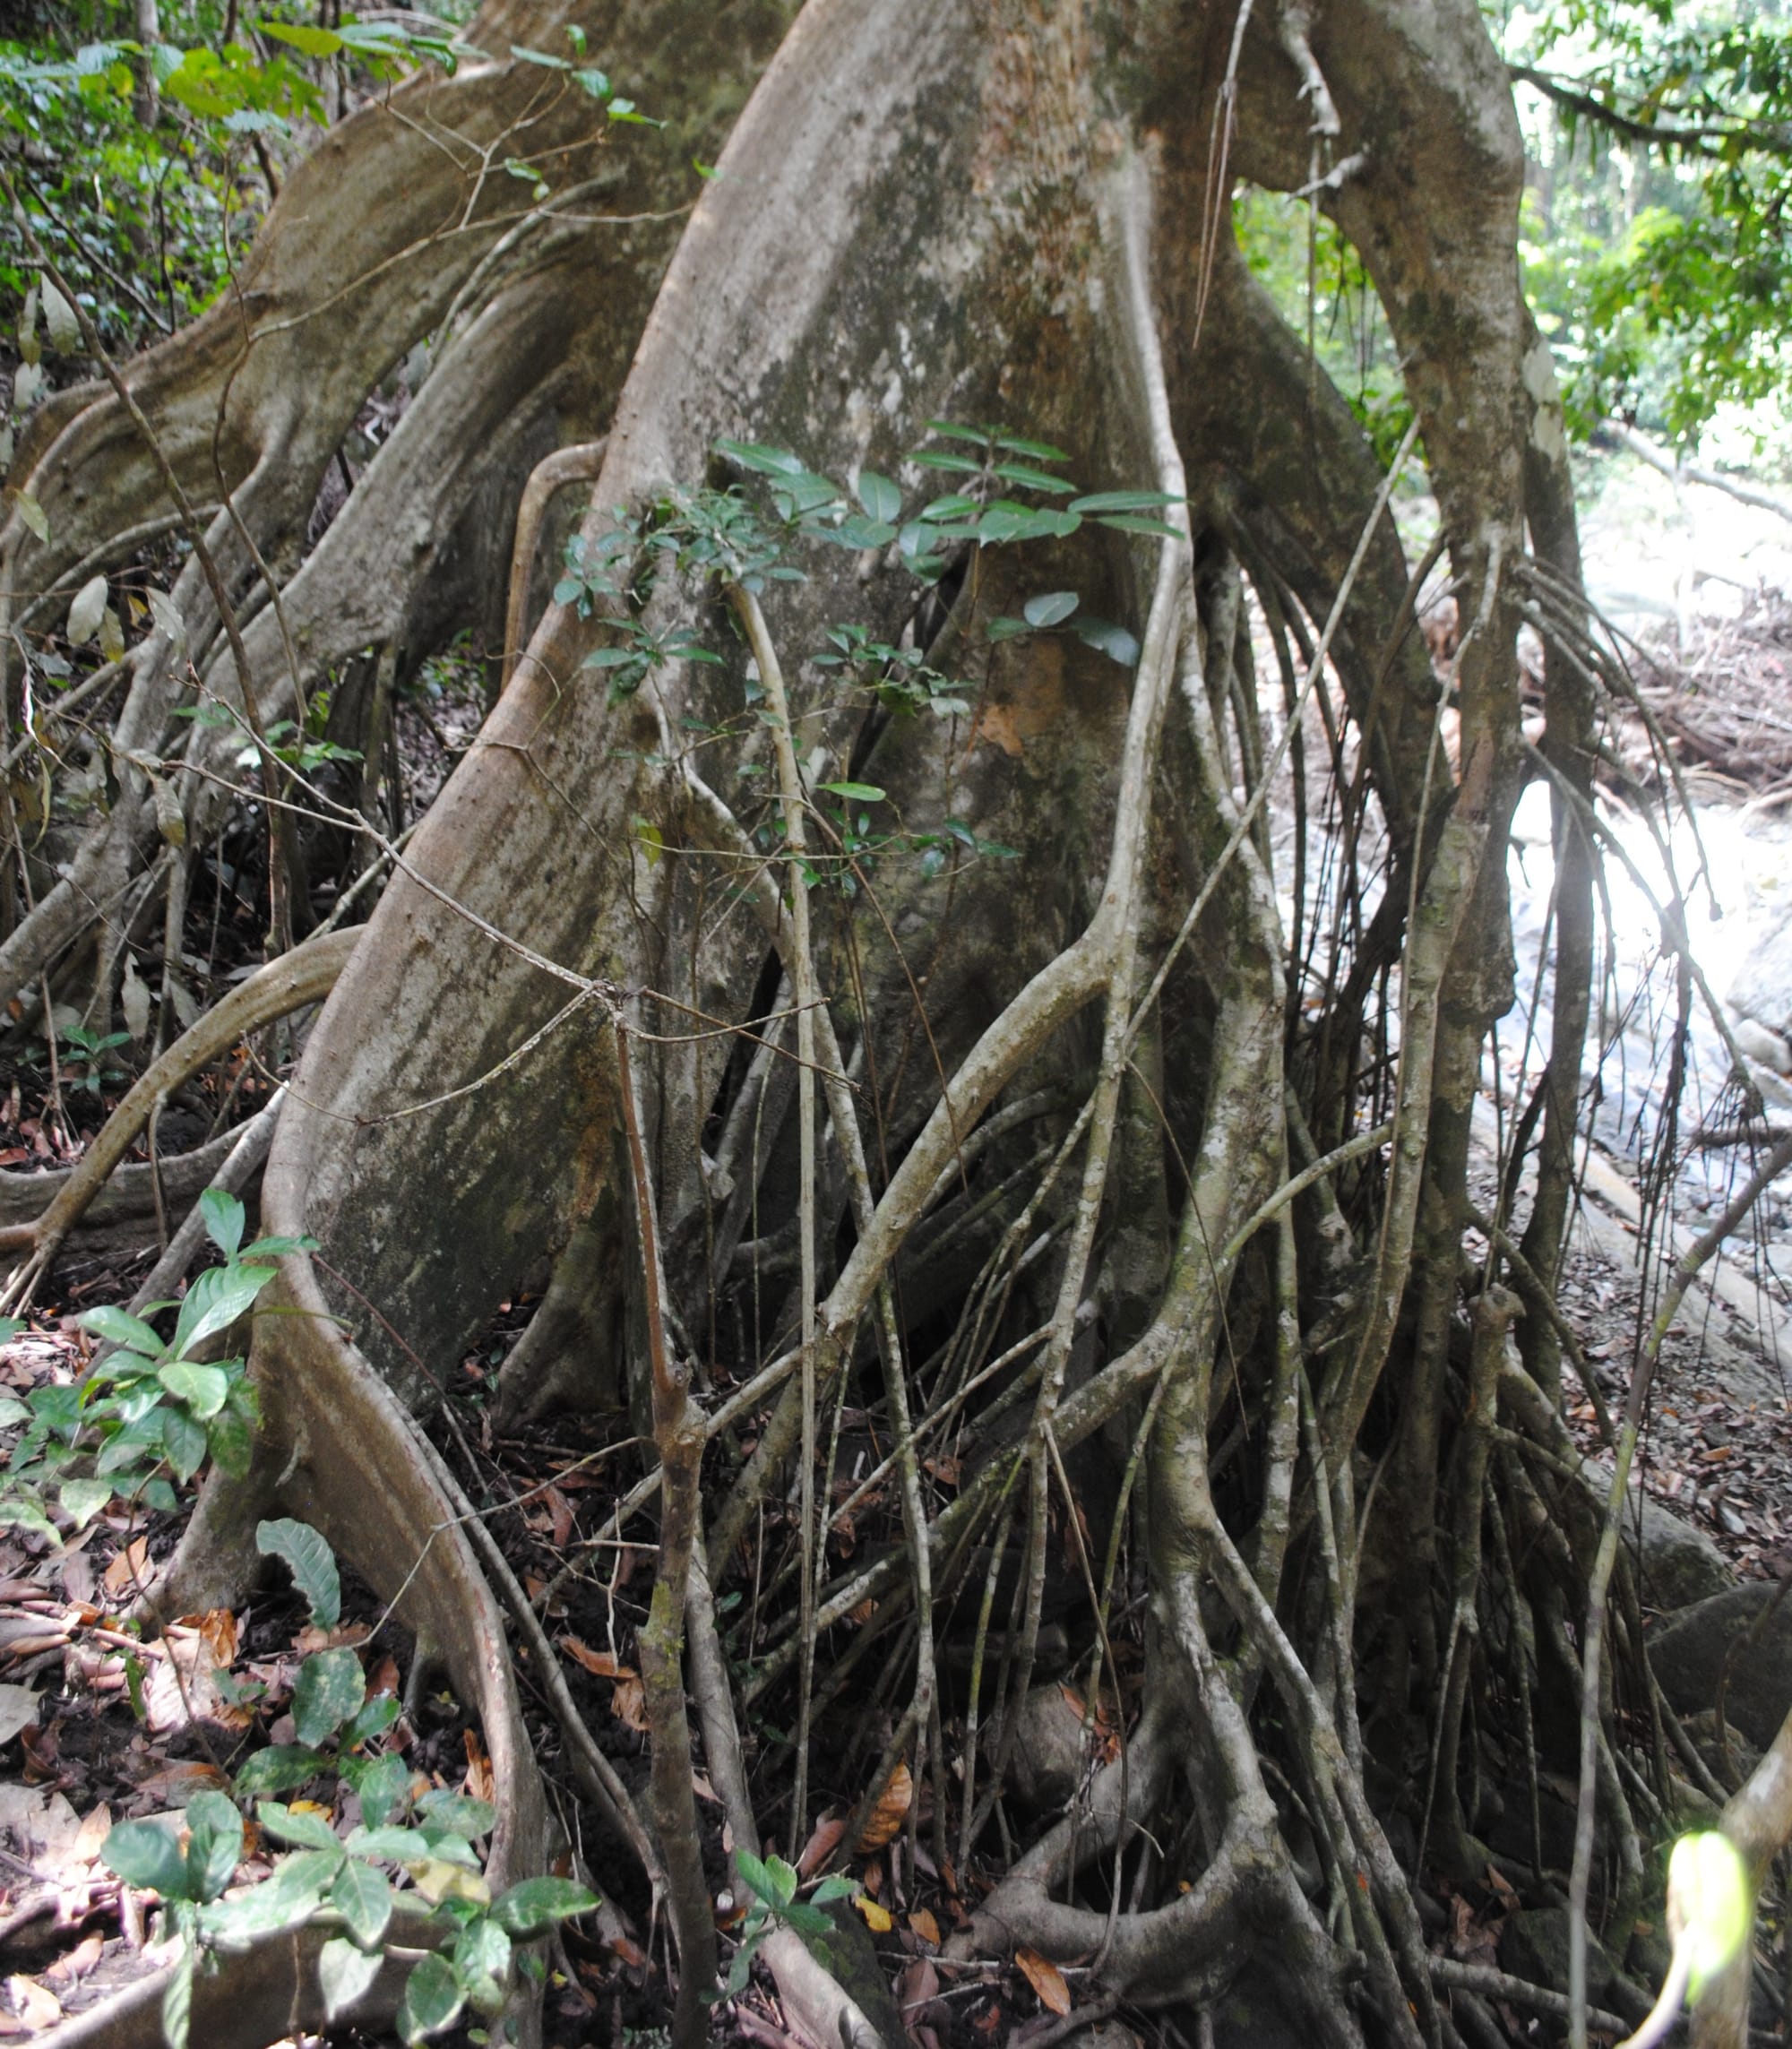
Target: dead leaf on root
{"type": "Point", "coordinates": [823, 1840]}
{"type": "Point", "coordinates": [1046, 1979]}
{"type": "Point", "coordinates": [924, 1925]}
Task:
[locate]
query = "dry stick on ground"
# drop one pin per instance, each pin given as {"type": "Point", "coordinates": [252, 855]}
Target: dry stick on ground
{"type": "Point", "coordinates": [1643, 1376]}
{"type": "Point", "coordinates": [305, 976]}
{"type": "Point", "coordinates": [678, 1433]}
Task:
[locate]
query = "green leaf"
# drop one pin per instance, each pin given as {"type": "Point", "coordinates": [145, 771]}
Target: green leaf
{"type": "Point", "coordinates": [1006, 628]}
{"type": "Point", "coordinates": [215, 1300]}
{"type": "Point", "coordinates": [1041, 451]}
{"type": "Point", "coordinates": [1123, 502]}
{"type": "Point", "coordinates": [119, 1327]}
{"type": "Point", "coordinates": [380, 1784]}
{"type": "Point", "coordinates": [214, 1847]}
{"type": "Point", "coordinates": [538, 1903]}
{"type": "Point", "coordinates": [184, 1441]}
{"type": "Point", "coordinates": [756, 456]}
{"type": "Point", "coordinates": [838, 1886]}
{"type": "Point", "coordinates": [458, 1813]}
{"type": "Point", "coordinates": [882, 499]}
{"type": "Point", "coordinates": [12, 1411]}
{"type": "Point", "coordinates": [950, 430]}
{"type": "Point", "coordinates": [375, 1715]}
{"type": "Point", "coordinates": [202, 1387]}
{"type": "Point", "coordinates": [9, 1327]}
{"type": "Point", "coordinates": [265, 1249]}
{"type": "Point", "coordinates": [936, 458]}
{"type": "Point", "coordinates": [310, 1560]}
{"type": "Point", "coordinates": [1113, 641]}
{"type": "Point", "coordinates": [84, 1499]}
{"type": "Point", "coordinates": [806, 1920]}
{"type": "Point", "coordinates": [32, 514]}
{"type": "Point", "coordinates": [278, 1768]}
{"type": "Point", "coordinates": [1133, 524]}
{"type": "Point", "coordinates": [432, 2000]}
{"type": "Point", "coordinates": [343, 1973]}
{"type": "Point", "coordinates": [146, 1855]}
{"type": "Point", "coordinates": [224, 1218]}
{"type": "Point", "coordinates": [362, 1898]}
{"type": "Point", "coordinates": [1050, 607]}
{"type": "Point", "coordinates": [856, 793]}
{"type": "Point", "coordinates": [330, 1687]}
{"type": "Point", "coordinates": [307, 41]}
{"type": "Point", "coordinates": [293, 1894]}
{"type": "Point", "coordinates": [1035, 480]}
{"type": "Point", "coordinates": [305, 1831]}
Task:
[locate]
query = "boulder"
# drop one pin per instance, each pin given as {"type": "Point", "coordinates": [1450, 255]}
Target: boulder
{"type": "Point", "coordinates": [1690, 1653]}
{"type": "Point", "coordinates": [1534, 1946]}
{"type": "Point", "coordinates": [1046, 1760]}
{"type": "Point", "coordinates": [1679, 1564]}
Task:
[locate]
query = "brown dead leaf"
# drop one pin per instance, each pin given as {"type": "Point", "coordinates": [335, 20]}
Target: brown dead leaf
{"type": "Point", "coordinates": [889, 1812]}
{"type": "Point", "coordinates": [129, 1568]}
{"type": "Point", "coordinates": [878, 1919]}
{"type": "Point", "coordinates": [701, 1786]}
{"type": "Point", "coordinates": [916, 1988]}
{"type": "Point", "coordinates": [479, 1781]}
{"type": "Point", "coordinates": [823, 1840]}
{"type": "Point", "coordinates": [628, 1703]}
{"type": "Point", "coordinates": [600, 1664]}
{"type": "Point", "coordinates": [924, 1925]}
{"type": "Point", "coordinates": [997, 725]}
{"type": "Point", "coordinates": [383, 1677]}
{"type": "Point", "coordinates": [561, 1508]}
{"type": "Point", "coordinates": [78, 1962]}
{"type": "Point", "coordinates": [218, 1632]}
{"type": "Point", "coordinates": [38, 2007]}
{"type": "Point", "coordinates": [1046, 1979]}
{"type": "Point", "coordinates": [862, 1614]}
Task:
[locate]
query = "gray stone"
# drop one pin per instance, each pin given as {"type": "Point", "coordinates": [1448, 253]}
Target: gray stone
{"type": "Point", "coordinates": [1691, 1653]}
{"type": "Point", "coordinates": [1679, 1564]}
{"type": "Point", "coordinates": [1534, 1946]}
{"type": "Point", "coordinates": [1045, 1759]}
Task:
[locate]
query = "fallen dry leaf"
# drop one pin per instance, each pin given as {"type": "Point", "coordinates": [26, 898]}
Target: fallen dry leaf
{"type": "Point", "coordinates": [889, 1812]}
{"type": "Point", "coordinates": [38, 2006]}
{"type": "Point", "coordinates": [561, 1509]}
{"type": "Point", "coordinates": [924, 1925]}
{"type": "Point", "coordinates": [878, 1919]}
{"type": "Point", "coordinates": [823, 1840]}
{"type": "Point", "coordinates": [479, 1781]}
{"type": "Point", "coordinates": [701, 1786]}
{"type": "Point", "coordinates": [1046, 1979]}
{"type": "Point", "coordinates": [628, 1703]}
{"type": "Point", "coordinates": [18, 1710]}
{"type": "Point", "coordinates": [600, 1664]}
{"type": "Point", "coordinates": [218, 1632]}
{"type": "Point", "coordinates": [129, 1568]}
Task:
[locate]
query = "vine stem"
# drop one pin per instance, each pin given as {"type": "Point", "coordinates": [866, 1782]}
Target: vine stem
{"type": "Point", "coordinates": [678, 1433]}
{"type": "Point", "coordinates": [802, 974]}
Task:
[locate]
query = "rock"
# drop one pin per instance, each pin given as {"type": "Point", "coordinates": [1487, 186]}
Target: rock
{"type": "Point", "coordinates": [1762, 987]}
{"type": "Point", "coordinates": [1534, 1946]}
{"type": "Point", "coordinates": [1768, 1048]}
{"type": "Point", "coordinates": [1679, 1564]}
{"type": "Point", "coordinates": [1044, 1761]}
{"type": "Point", "coordinates": [1689, 1656]}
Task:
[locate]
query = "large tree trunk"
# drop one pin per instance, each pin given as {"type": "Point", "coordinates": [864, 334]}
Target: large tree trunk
{"type": "Point", "coordinates": [975, 214]}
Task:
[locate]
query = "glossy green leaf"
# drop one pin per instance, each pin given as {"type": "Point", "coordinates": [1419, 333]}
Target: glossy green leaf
{"type": "Point", "coordinates": [882, 499]}
{"type": "Point", "coordinates": [304, 1830]}
{"type": "Point", "coordinates": [202, 1388]}
{"type": "Point", "coordinates": [1050, 607]}
{"type": "Point", "coordinates": [1123, 501]}
{"type": "Point", "coordinates": [362, 1896]}
{"type": "Point", "coordinates": [278, 1768]}
{"type": "Point", "coordinates": [538, 1903]}
{"type": "Point", "coordinates": [457, 1813]}
{"type": "Point", "coordinates": [310, 1560]}
{"type": "Point", "coordinates": [854, 793]}
{"type": "Point", "coordinates": [148, 1856]}
{"type": "Point", "coordinates": [1033, 480]}
{"type": "Point", "coordinates": [344, 1973]}
{"type": "Point", "coordinates": [215, 1300]}
{"type": "Point", "coordinates": [1113, 641]}
{"type": "Point", "coordinates": [432, 2000]}
{"type": "Point", "coordinates": [214, 1845]}
{"type": "Point", "coordinates": [756, 456]}
{"type": "Point", "coordinates": [84, 1499]}
{"type": "Point", "coordinates": [1136, 523]}
{"type": "Point", "coordinates": [329, 1688]}
{"type": "Point", "coordinates": [224, 1218]}
{"type": "Point", "coordinates": [117, 1327]}
{"type": "Point", "coordinates": [185, 1442]}
{"type": "Point", "coordinates": [178, 2002]}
